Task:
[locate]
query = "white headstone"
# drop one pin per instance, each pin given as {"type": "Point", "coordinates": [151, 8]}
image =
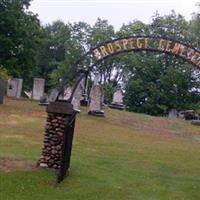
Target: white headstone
{"type": "Point", "coordinates": [28, 94]}
{"type": "Point", "coordinates": [96, 98]}
{"type": "Point", "coordinates": [173, 113]}
{"type": "Point", "coordinates": [118, 96]}
{"type": "Point", "coordinates": [67, 93]}
{"type": "Point", "coordinates": [117, 102]}
{"type": "Point", "coordinates": [38, 88]}
{"type": "Point", "coordinates": [14, 87]}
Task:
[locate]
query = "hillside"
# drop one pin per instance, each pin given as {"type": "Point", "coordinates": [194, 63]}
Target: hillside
{"type": "Point", "coordinates": [122, 156]}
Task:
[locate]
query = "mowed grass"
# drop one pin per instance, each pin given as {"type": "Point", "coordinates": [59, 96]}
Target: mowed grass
{"type": "Point", "coordinates": [122, 156]}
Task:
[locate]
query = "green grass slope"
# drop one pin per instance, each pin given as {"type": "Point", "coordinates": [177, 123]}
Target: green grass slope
{"type": "Point", "coordinates": [120, 157]}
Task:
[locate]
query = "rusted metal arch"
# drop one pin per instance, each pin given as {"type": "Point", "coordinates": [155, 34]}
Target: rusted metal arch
{"type": "Point", "coordinates": [90, 55]}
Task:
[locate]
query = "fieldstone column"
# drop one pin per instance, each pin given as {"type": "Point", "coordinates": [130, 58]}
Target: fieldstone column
{"type": "Point", "coordinates": [58, 136]}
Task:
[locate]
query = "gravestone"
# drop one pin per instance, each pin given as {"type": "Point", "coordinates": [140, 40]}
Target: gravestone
{"type": "Point", "coordinates": [44, 100]}
{"type": "Point", "coordinates": [196, 122]}
{"type": "Point", "coordinates": [14, 87]}
{"type": "Point", "coordinates": [78, 95]}
{"type": "Point", "coordinates": [96, 99]}
{"type": "Point", "coordinates": [28, 94]}
{"type": "Point", "coordinates": [53, 95]}
{"type": "Point", "coordinates": [38, 88]}
{"type": "Point", "coordinates": [173, 114]}
{"type": "Point", "coordinates": [84, 98]}
{"type": "Point", "coordinates": [67, 93]}
{"type": "Point", "coordinates": [1, 91]}
{"type": "Point", "coordinates": [64, 96]}
{"type": "Point", "coordinates": [117, 102]}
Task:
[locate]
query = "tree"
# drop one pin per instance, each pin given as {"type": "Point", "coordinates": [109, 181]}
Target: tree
{"type": "Point", "coordinates": [19, 39]}
{"type": "Point", "coordinates": [54, 47]}
{"type": "Point", "coordinates": [172, 25]}
{"type": "Point", "coordinates": [76, 45]}
{"type": "Point", "coordinates": [3, 73]}
{"type": "Point", "coordinates": [155, 87]}
{"type": "Point", "coordinates": [157, 83]}
{"type": "Point", "coordinates": [101, 32]}
{"type": "Point", "coordinates": [193, 30]}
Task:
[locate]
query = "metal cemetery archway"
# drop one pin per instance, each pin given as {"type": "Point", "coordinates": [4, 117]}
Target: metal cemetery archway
{"type": "Point", "coordinates": [61, 116]}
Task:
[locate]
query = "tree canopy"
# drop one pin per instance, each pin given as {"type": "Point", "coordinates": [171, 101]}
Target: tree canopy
{"type": "Point", "coordinates": [19, 39]}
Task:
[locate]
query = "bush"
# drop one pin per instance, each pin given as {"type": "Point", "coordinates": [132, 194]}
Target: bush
{"type": "Point", "coordinates": [3, 73]}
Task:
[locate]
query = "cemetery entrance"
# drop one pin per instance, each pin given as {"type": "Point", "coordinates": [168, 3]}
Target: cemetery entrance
{"type": "Point", "coordinates": [60, 123]}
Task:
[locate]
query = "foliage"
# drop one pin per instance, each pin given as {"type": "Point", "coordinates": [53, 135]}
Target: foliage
{"type": "Point", "coordinates": [3, 73]}
{"type": "Point", "coordinates": [156, 87]}
{"type": "Point", "coordinates": [101, 32]}
{"type": "Point", "coordinates": [19, 39]}
{"type": "Point", "coordinates": [194, 27]}
{"type": "Point", "coordinates": [108, 93]}
{"type": "Point", "coordinates": [52, 53]}
{"type": "Point", "coordinates": [63, 44]}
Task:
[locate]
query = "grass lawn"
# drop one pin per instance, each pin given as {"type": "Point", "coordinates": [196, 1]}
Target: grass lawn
{"type": "Point", "coordinates": [120, 157]}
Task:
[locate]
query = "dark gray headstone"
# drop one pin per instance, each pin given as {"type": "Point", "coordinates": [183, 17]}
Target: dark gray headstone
{"type": "Point", "coordinates": [1, 91]}
{"type": "Point", "coordinates": [196, 122]}
{"type": "Point", "coordinates": [44, 100]}
{"type": "Point", "coordinates": [53, 95]}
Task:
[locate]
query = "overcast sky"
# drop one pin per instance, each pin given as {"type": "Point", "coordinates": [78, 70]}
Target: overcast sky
{"type": "Point", "coordinates": [117, 12]}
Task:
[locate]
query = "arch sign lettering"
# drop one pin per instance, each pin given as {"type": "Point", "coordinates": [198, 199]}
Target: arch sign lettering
{"type": "Point", "coordinates": [147, 43]}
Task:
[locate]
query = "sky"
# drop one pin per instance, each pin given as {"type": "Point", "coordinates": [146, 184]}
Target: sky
{"type": "Point", "coordinates": [117, 12]}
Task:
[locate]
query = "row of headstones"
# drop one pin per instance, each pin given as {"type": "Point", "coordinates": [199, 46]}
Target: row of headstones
{"type": "Point", "coordinates": [14, 88]}
{"type": "Point", "coordinates": [95, 100]}
{"type": "Point", "coordinates": [96, 97]}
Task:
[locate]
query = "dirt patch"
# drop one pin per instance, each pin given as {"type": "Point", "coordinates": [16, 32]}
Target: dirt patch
{"type": "Point", "coordinates": [16, 165]}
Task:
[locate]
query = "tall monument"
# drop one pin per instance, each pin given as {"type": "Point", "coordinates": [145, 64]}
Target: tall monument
{"type": "Point", "coordinates": [96, 99]}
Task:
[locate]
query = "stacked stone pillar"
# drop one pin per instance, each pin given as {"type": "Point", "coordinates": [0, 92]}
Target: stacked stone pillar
{"type": "Point", "coordinates": [58, 136]}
